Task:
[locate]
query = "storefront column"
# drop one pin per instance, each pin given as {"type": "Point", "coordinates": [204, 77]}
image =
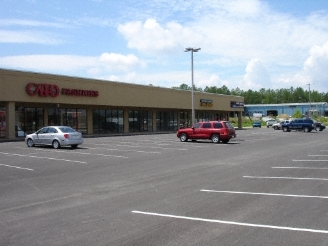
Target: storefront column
{"type": "Point", "coordinates": [126, 120]}
{"type": "Point", "coordinates": [10, 120]}
{"type": "Point", "coordinates": [154, 121]}
{"type": "Point", "coordinates": [240, 121]}
{"type": "Point", "coordinates": [89, 121]}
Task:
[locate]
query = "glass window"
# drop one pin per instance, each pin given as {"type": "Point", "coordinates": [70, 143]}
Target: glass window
{"type": "Point", "coordinates": [166, 121]}
{"type": "Point", "coordinates": [81, 120]}
{"type": "Point", "coordinates": [65, 129]}
{"type": "Point", "coordinates": [75, 118]}
{"type": "Point", "coordinates": [2, 122]}
{"type": "Point", "coordinates": [108, 121]}
{"type": "Point", "coordinates": [52, 130]}
{"type": "Point", "coordinates": [29, 120]}
{"type": "Point", "coordinates": [184, 119]}
{"type": "Point", "coordinates": [229, 125]}
{"type": "Point", "coordinates": [205, 116]}
{"type": "Point", "coordinates": [197, 125]}
{"type": "Point", "coordinates": [207, 125]}
{"type": "Point", "coordinates": [217, 125]}
{"type": "Point", "coordinates": [43, 130]}
{"type": "Point", "coordinates": [140, 120]}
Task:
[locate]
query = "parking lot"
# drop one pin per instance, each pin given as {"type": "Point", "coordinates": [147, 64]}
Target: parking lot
{"type": "Point", "coordinates": [265, 187]}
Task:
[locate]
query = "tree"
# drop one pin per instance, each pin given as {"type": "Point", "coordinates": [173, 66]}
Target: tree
{"type": "Point", "coordinates": [297, 114]}
{"type": "Point", "coordinates": [183, 87]}
{"type": "Point", "coordinates": [267, 96]}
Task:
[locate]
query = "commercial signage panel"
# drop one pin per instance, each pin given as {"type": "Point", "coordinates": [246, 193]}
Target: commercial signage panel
{"type": "Point", "coordinates": [235, 104]}
{"type": "Point", "coordinates": [44, 90]}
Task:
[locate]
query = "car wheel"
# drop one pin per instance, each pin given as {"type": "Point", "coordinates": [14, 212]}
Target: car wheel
{"type": "Point", "coordinates": [275, 127]}
{"type": "Point", "coordinates": [285, 129]}
{"type": "Point", "coordinates": [317, 128]}
{"type": "Point", "coordinates": [183, 137]}
{"type": "Point", "coordinates": [215, 138]}
{"type": "Point", "coordinates": [74, 146]}
{"type": "Point", "coordinates": [30, 143]}
{"type": "Point", "coordinates": [306, 129]}
{"type": "Point", "coordinates": [55, 144]}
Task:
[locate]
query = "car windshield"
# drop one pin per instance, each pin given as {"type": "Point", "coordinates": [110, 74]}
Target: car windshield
{"type": "Point", "coordinates": [66, 129]}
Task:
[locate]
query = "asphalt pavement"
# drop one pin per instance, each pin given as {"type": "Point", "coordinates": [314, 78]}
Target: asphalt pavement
{"type": "Point", "coordinates": [265, 187]}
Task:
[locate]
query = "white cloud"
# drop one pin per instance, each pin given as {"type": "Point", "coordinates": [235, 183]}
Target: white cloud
{"type": "Point", "coordinates": [150, 36]}
{"type": "Point", "coordinates": [48, 62]}
{"type": "Point", "coordinates": [34, 37]}
{"type": "Point", "coordinates": [234, 31]}
{"type": "Point", "coordinates": [243, 8]}
{"type": "Point", "coordinates": [256, 75]}
{"type": "Point", "coordinates": [93, 65]}
{"type": "Point", "coordinates": [29, 23]}
{"type": "Point", "coordinates": [316, 66]}
{"type": "Point", "coordinates": [120, 62]}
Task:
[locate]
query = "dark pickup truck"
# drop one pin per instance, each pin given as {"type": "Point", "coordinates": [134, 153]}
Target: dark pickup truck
{"type": "Point", "coordinates": [305, 125]}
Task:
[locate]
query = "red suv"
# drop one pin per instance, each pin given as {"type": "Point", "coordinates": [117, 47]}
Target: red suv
{"type": "Point", "coordinates": [214, 130]}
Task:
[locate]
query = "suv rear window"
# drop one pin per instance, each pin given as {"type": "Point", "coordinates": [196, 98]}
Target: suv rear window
{"type": "Point", "coordinates": [217, 125]}
{"type": "Point", "coordinates": [228, 125]}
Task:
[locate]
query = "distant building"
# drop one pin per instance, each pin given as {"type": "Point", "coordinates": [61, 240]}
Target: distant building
{"type": "Point", "coordinates": [307, 109]}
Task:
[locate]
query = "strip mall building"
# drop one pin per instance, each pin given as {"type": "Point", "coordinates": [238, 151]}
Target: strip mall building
{"type": "Point", "coordinates": [29, 101]}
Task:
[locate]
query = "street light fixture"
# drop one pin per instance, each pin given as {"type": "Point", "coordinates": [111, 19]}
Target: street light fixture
{"type": "Point", "coordinates": [192, 50]}
{"type": "Point", "coordinates": [309, 84]}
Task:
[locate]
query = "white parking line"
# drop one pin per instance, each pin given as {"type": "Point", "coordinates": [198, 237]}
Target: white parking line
{"type": "Point", "coordinates": [79, 153]}
{"type": "Point", "coordinates": [313, 168]}
{"type": "Point", "coordinates": [310, 160]}
{"type": "Point", "coordinates": [139, 146]}
{"type": "Point", "coordinates": [29, 169]}
{"type": "Point", "coordinates": [262, 177]}
{"type": "Point", "coordinates": [42, 157]}
{"type": "Point", "coordinates": [264, 194]}
{"type": "Point", "coordinates": [126, 150]}
{"type": "Point", "coordinates": [232, 222]}
{"type": "Point", "coordinates": [151, 147]}
{"type": "Point", "coordinates": [56, 159]}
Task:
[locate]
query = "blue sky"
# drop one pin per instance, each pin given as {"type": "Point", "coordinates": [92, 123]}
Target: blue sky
{"type": "Point", "coordinates": [249, 44]}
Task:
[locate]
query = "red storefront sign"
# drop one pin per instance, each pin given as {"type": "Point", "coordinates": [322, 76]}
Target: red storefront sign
{"type": "Point", "coordinates": [45, 90]}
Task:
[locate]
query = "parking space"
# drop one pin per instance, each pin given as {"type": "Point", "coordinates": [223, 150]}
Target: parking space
{"type": "Point", "coordinates": [263, 187]}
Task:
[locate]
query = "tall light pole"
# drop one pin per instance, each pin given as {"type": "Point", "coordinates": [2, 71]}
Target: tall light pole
{"type": "Point", "coordinates": [192, 82]}
{"type": "Point", "coordinates": [309, 84]}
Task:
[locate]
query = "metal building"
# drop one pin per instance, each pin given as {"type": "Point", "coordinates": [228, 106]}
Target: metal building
{"type": "Point", "coordinates": [307, 109]}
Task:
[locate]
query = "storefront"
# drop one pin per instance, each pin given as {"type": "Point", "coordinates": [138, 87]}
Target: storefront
{"type": "Point", "coordinates": [29, 101]}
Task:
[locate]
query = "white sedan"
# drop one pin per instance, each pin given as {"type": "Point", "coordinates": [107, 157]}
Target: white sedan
{"type": "Point", "coordinates": [277, 126]}
{"type": "Point", "coordinates": [56, 136]}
